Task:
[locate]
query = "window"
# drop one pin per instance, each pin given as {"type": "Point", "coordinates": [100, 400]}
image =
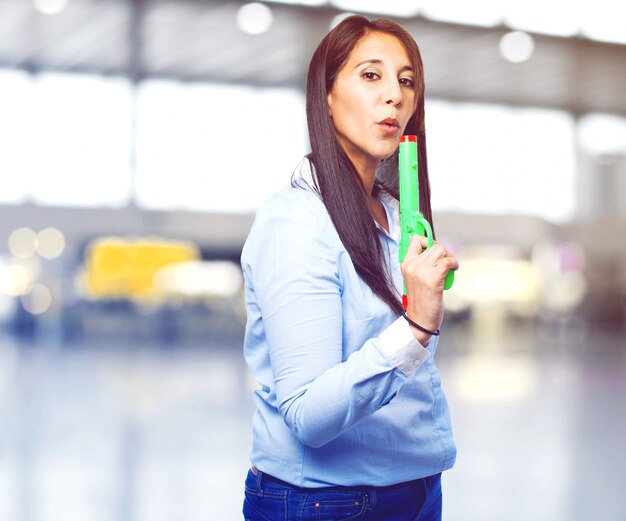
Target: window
{"type": "Point", "coordinates": [491, 159]}
{"type": "Point", "coordinates": [80, 138]}
{"type": "Point", "coordinates": [216, 148]}
{"type": "Point", "coordinates": [16, 141]}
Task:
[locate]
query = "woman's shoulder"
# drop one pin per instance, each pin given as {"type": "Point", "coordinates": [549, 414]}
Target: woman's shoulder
{"type": "Point", "coordinates": [293, 221]}
{"type": "Point", "coordinates": [292, 202]}
{"type": "Point", "coordinates": [298, 202]}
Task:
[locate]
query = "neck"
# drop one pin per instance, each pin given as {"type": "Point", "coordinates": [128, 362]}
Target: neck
{"type": "Point", "coordinates": [367, 173]}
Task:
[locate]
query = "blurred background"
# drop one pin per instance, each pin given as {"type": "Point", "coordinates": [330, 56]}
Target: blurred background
{"type": "Point", "coordinates": [137, 139]}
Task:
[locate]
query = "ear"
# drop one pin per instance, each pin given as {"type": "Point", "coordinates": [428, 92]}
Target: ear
{"type": "Point", "coordinates": [329, 100]}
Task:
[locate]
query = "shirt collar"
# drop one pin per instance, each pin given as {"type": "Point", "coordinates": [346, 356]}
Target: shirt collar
{"type": "Point", "coordinates": [304, 175]}
{"type": "Point", "coordinates": [392, 207]}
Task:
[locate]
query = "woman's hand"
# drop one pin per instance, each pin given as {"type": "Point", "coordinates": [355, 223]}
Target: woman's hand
{"type": "Point", "coordinates": [424, 271]}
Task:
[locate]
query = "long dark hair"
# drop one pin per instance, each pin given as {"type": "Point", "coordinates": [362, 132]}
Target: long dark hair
{"type": "Point", "coordinates": [337, 180]}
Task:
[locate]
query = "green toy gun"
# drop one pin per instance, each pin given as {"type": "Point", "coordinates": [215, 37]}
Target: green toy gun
{"type": "Point", "coordinates": [411, 220]}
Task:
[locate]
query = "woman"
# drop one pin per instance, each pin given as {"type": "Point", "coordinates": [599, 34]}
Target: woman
{"type": "Point", "coordinates": [351, 422]}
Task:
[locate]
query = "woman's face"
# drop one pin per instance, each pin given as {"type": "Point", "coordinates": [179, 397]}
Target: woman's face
{"type": "Point", "coordinates": [372, 99]}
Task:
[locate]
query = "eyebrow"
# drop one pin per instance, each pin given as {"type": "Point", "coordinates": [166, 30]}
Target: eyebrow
{"type": "Point", "coordinates": [378, 60]}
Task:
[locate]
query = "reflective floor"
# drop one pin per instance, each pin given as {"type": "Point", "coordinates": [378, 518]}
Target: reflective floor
{"type": "Point", "coordinates": [122, 432]}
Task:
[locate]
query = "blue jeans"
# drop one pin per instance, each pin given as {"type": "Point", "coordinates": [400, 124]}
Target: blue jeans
{"type": "Point", "coordinates": [270, 499]}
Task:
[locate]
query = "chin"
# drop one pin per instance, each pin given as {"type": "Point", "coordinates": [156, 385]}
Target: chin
{"type": "Point", "coordinates": [388, 150]}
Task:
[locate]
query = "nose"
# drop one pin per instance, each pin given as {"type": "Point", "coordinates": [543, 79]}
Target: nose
{"type": "Point", "coordinates": [393, 93]}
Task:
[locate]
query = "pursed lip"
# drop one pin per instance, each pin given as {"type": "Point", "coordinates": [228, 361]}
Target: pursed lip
{"type": "Point", "coordinates": [390, 121]}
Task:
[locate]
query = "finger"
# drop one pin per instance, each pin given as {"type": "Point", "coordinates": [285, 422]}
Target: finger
{"type": "Point", "coordinates": [417, 245]}
{"type": "Point", "coordinates": [446, 264]}
{"type": "Point", "coordinates": [435, 252]}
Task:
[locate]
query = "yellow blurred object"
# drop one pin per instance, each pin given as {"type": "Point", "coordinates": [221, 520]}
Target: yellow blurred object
{"type": "Point", "coordinates": [125, 268]}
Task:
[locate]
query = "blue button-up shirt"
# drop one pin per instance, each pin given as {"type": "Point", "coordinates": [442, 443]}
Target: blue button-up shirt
{"type": "Point", "coordinates": [346, 394]}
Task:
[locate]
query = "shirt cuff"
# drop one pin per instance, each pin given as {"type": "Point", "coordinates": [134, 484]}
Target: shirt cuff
{"type": "Point", "coordinates": [402, 348]}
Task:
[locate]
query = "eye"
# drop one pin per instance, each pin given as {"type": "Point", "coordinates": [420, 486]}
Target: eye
{"type": "Point", "coordinates": [408, 82]}
{"type": "Point", "coordinates": [368, 75]}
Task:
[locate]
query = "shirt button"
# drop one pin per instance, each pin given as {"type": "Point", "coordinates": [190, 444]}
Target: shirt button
{"type": "Point", "coordinates": [416, 363]}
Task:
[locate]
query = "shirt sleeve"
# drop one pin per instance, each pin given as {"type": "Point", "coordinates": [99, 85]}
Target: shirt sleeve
{"type": "Point", "coordinates": [402, 348]}
{"type": "Point", "coordinates": [293, 266]}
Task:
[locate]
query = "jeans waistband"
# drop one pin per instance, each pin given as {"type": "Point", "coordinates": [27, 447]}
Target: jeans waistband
{"type": "Point", "coordinates": [262, 476]}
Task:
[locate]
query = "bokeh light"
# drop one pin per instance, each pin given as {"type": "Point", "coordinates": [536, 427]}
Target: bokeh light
{"type": "Point", "coordinates": [22, 243]}
{"type": "Point", "coordinates": [254, 18]}
{"type": "Point", "coordinates": [37, 300]}
{"type": "Point", "coordinates": [50, 243]}
{"type": "Point", "coordinates": [517, 46]}
{"type": "Point", "coordinates": [14, 280]}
